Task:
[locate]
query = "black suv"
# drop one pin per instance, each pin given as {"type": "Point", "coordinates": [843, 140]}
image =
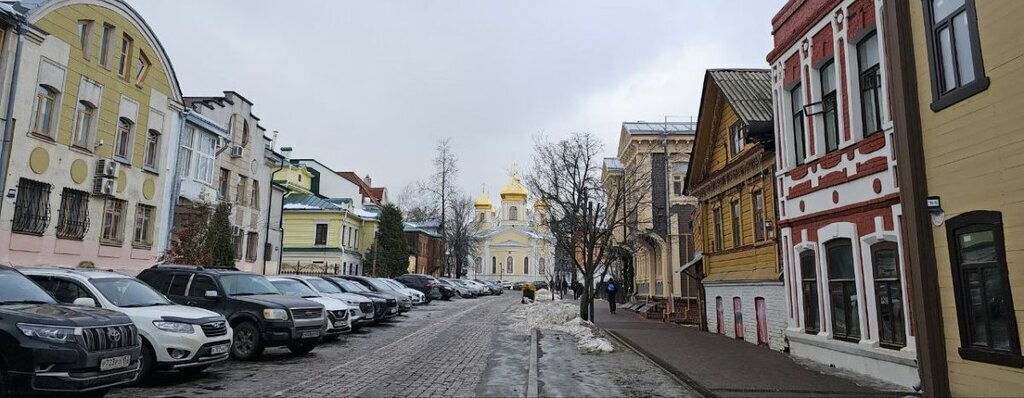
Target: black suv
{"type": "Point", "coordinates": [46, 348]}
{"type": "Point", "coordinates": [426, 284]}
{"type": "Point", "coordinates": [259, 315]}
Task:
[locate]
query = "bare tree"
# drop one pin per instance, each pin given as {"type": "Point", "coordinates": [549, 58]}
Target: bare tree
{"type": "Point", "coordinates": [441, 186]}
{"type": "Point", "coordinates": [417, 205]}
{"type": "Point", "coordinates": [463, 236]}
{"type": "Point", "coordinates": [587, 215]}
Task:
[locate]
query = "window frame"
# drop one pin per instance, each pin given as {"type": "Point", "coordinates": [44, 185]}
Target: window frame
{"type": "Point", "coordinates": [31, 218]}
{"type": "Point", "coordinates": [224, 183]}
{"type": "Point", "coordinates": [72, 216]}
{"type": "Point", "coordinates": [736, 143]}
{"type": "Point", "coordinates": [123, 148]}
{"type": "Point", "coordinates": [81, 134]}
{"type": "Point", "coordinates": [105, 37]}
{"type": "Point", "coordinates": [851, 314]}
{"type": "Point", "coordinates": [716, 214]}
{"type": "Point", "coordinates": [864, 74]}
{"type": "Point", "coordinates": [883, 286]}
{"type": "Point", "coordinates": [113, 212]}
{"type": "Point", "coordinates": [85, 37]}
{"type": "Point", "coordinates": [317, 233]}
{"type": "Point", "coordinates": [142, 233]}
{"type": "Point", "coordinates": [50, 95]}
{"type": "Point", "coordinates": [151, 154]}
{"type": "Point", "coordinates": [124, 63]}
{"type": "Point", "coordinates": [760, 227]}
{"type": "Point", "coordinates": [252, 240]}
{"type": "Point", "coordinates": [799, 133]}
{"type": "Point", "coordinates": [940, 99]}
{"type": "Point", "coordinates": [815, 302]}
{"type": "Point", "coordinates": [736, 211]}
{"type": "Point", "coordinates": [144, 65]}
{"type": "Point", "coordinates": [829, 107]}
{"type": "Point", "coordinates": [974, 221]}
{"type": "Point", "coordinates": [509, 265]}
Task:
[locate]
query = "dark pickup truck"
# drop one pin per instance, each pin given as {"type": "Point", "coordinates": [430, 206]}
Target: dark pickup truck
{"type": "Point", "coordinates": [47, 349]}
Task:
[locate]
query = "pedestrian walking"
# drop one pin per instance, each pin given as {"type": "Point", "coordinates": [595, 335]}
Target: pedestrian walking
{"type": "Point", "coordinates": [576, 290]}
{"type": "Point", "coordinates": [611, 288]}
{"type": "Point", "coordinates": [564, 286]}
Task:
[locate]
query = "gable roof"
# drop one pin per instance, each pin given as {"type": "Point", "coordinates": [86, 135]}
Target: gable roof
{"type": "Point", "coordinates": [376, 194]}
{"type": "Point", "coordinates": [749, 91]}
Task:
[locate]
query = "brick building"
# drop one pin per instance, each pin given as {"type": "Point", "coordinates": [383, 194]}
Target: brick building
{"type": "Point", "coordinates": [426, 249]}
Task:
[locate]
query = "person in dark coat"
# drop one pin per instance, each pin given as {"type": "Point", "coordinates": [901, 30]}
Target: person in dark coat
{"type": "Point", "coordinates": [611, 288]}
{"type": "Point", "coordinates": [576, 287]}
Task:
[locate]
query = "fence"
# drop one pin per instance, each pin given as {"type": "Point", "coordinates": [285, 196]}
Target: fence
{"type": "Point", "coordinates": [310, 269]}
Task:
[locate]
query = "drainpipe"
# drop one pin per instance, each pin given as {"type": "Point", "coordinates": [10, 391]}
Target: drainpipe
{"type": "Point", "coordinates": [5, 149]}
{"type": "Point", "coordinates": [270, 200]}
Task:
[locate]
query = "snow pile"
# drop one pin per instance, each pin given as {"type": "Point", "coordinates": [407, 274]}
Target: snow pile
{"type": "Point", "coordinates": [542, 294]}
{"type": "Point", "coordinates": [562, 317]}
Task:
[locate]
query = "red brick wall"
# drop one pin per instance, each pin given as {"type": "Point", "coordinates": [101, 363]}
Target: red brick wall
{"type": "Point", "coordinates": [794, 20]}
{"type": "Point", "coordinates": [861, 16]}
{"type": "Point", "coordinates": [823, 45]}
{"type": "Point", "coordinates": [792, 70]}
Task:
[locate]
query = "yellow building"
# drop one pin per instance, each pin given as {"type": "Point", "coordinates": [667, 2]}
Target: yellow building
{"type": "Point", "coordinates": [958, 90]}
{"type": "Point", "coordinates": [732, 173]}
{"type": "Point", "coordinates": [517, 247]}
{"type": "Point", "coordinates": [97, 103]}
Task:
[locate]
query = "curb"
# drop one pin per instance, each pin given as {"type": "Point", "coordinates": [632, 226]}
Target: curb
{"type": "Point", "coordinates": [531, 376]}
{"type": "Point", "coordinates": [675, 375]}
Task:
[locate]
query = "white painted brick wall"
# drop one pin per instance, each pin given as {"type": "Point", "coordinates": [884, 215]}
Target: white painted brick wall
{"type": "Point", "coordinates": [775, 306]}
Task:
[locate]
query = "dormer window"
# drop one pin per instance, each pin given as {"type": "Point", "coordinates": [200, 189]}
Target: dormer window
{"type": "Point", "coordinates": [736, 138]}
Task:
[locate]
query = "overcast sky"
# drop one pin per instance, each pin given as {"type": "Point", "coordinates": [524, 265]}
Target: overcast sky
{"type": "Point", "coordinates": [371, 86]}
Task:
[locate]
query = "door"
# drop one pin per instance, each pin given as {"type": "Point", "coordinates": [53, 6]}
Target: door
{"type": "Point", "coordinates": [762, 321]}
{"type": "Point", "coordinates": [737, 316]}
{"type": "Point", "coordinates": [719, 315]}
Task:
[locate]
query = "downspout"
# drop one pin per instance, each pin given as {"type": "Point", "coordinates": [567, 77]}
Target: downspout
{"type": "Point", "coordinates": [5, 149]}
{"type": "Point", "coordinates": [270, 200]}
{"type": "Point", "coordinates": [175, 187]}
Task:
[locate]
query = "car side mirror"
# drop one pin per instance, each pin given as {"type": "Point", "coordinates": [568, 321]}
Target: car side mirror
{"type": "Point", "coordinates": [84, 302]}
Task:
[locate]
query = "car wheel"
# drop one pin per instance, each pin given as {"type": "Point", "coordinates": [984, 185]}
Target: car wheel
{"type": "Point", "coordinates": [146, 363]}
{"type": "Point", "coordinates": [302, 348]}
{"type": "Point", "coordinates": [246, 342]}
{"type": "Point", "coordinates": [194, 370]}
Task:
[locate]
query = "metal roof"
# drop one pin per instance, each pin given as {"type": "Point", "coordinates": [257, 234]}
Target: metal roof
{"type": "Point", "coordinates": [613, 164]}
{"type": "Point", "coordinates": [749, 91]}
{"type": "Point", "coordinates": [647, 128]}
{"type": "Point", "coordinates": [306, 201]}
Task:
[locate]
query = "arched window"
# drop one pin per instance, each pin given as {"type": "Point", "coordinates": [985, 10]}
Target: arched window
{"type": "Point", "coordinates": [513, 213]}
{"type": "Point", "coordinates": [508, 265]}
{"type": "Point", "coordinates": [481, 217]}
{"type": "Point", "coordinates": [526, 265]}
{"type": "Point", "coordinates": [809, 286]}
{"type": "Point", "coordinates": [540, 268]}
{"type": "Point", "coordinates": [889, 294]}
{"type": "Point", "coordinates": [45, 108]}
{"type": "Point", "coordinates": [842, 289]}
{"type": "Point", "coordinates": [85, 114]}
{"type": "Point", "coordinates": [123, 140]}
{"type": "Point", "coordinates": [245, 132]}
{"type": "Point", "coordinates": [494, 265]}
{"type": "Point", "coordinates": [152, 154]}
{"type": "Point", "coordinates": [479, 265]}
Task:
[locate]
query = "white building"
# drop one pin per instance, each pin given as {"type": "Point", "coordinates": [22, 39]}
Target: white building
{"type": "Point", "coordinates": [517, 247]}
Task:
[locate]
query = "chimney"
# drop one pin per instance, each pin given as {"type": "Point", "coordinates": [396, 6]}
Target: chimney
{"type": "Point", "coordinates": [287, 152]}
{"type": "Point", "coordinates": [369, 182]}
{"type": "Point", "coordinates": [273, 141]}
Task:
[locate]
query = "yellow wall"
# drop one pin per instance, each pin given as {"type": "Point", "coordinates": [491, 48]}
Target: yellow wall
{"type": "Point", "coordinates": [62, 23]}
{"type": "Point", "coordinates": [295, 177]}
{"type": "Point", "coordinates": [973, 158]}
{"type": "Point", "coordinates": [300, 228]}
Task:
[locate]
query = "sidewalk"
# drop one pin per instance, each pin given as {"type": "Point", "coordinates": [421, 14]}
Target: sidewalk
{"type": "Point", "coordinates": [717, 365]}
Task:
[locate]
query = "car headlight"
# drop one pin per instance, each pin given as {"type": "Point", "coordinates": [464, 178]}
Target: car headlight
{"type": "Point", "coordinates": [275, 314]}
{"type": "Point", "coordinates": [53, 334]}
{"type": "Point", "coordinates": [174, 327]}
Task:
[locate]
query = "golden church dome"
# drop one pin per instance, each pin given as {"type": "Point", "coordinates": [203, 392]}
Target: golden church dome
{"type": "Point", "coordinates": [514, 190]}
{"type": "Point", "coordinates": [541, 205]}
{"type": "Point", "coordinates": [483, 202]}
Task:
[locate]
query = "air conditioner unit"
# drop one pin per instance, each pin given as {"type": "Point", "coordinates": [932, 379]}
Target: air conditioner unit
{"type": "Point", "coordinates": [106, 168]}
{"type": "Point", "coordinates": [103, 186]}
{"type": "Point", "coordinates": [236, 151]}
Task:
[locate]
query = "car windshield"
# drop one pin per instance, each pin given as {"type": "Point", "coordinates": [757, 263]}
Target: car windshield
{"type": "Point", "coordinates": [246, 285]}
{"type": "Point", "coordinates": [16, 288]}
{"type": "Point", "coordinates": [396, 284]}
{"type": "Point", "coordinates": [323, 286]}
{"type": "Point", "coordinates": [379, 285]}
{"type": "Point", "coordinates": [350, 286]}
{"type": "Point", "coordinates": [129, 292]}
{"type": "Point", "coordinates": [294, 288]}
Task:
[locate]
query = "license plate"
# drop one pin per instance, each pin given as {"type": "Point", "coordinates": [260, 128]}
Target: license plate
{"type": "Point", "coordinates": [219, 349]}
{"type": "Point", "coordinates": [339, 324]}
{"type": "Point", "coordinates": [115, 362]}
{"type": "Point", "coordinates": [310, 334]}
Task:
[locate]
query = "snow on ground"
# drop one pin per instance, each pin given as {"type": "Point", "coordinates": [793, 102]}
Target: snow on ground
{"type": "Point", "coordinates": [563, 317]}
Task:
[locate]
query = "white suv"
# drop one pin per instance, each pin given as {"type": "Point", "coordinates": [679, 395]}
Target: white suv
{"type": "Point", "coordinates": [339, 314]}
{"type": "Point", "coordinates": [363, 306]}
{"type": "Point", "coordinates": [178, 337]}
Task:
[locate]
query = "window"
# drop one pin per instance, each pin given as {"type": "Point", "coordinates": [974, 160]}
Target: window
{"type": "Point", "coordinates": [796, 98]}
{"type": "Point", "coordinates": [85, 113]}
{"type": "Point", "coordinates": [717, 214]}
{"type": "Point", "coordinates": [252, 242]}
{"type": "Point", "coordinates": [143, 235]}
{"type": "Point", "coordinates": [759, 225]}
{"type": "Point", "coordinates": [513, 213]}
{"type": "Point", "coordinates": [957, 70]}
{"type": "Point", "coordinates": [108, 35]}
{"type": "Point", "coordinates": [178, 284]}
{"type": "Point", "coordinates": [152, 149]}
{"type": "Point", "coordinates": [245, 132]}
{"type": "Point", "coordinates": [224, 183]}
{"type": "Point", "coordinates": [508, 264]}
{"type": "Point", "coordinates": [200, 285]}
{"type": "Point", "coordinates": [479, 265]}
{"type": "Point", "coordinates": [202, 147]}
{"type": "Point", "coordinates": [125, 60]}
{"type": "Point", "coordinates": [321, 235]}
{"type": "Point", "coordinates": [73, 218]}
{"type": "Point", "coordinates": [238, 245]}
{"type": "Point", "coordinates": [737, 237]}
{"type": "Point", "coordinates": [889, 294]}
{"type": "Point", "coordinates": [112, 231]}
{"type": "Point", "coordinates": [255, 200]}
{"type": "Point", "coordinates": [32, 207]}
{"type": "Point", "coordinates": [809, 287]}
{"type": "Point", "coordinates": [480, 217]}
{"type": "Point", "coordinates": [761, 313]}
{"type": "Point", "coordinates": [242, 191]}
{"type": "Point", "coordinates": [870, 84]}
{"type": "Point", "coordinates": [85, 37]}
{"type": "Point", "coordinates": [827, 75]}
{"type": "Point", "coordinates": [981, 286]}
{"type": "Point", "coordinates": [842, 289]}
{"type": "Point", "coordinates": [719, 316]}
{"type": "Point", "coordinates": [526, 265]}
{"type": "Point", "coordinates": [737, 317]}
{"type": "Point", "coordinates": [123, 140]}
{"type": "Point", "coordinates": [185, 151]}
{"type": "Point", "coordinates": [541, 266]}
{"type": "Point", "coordinates": [141, 68]}
{"type": "Point", "coordinates": [45, 107]}
{"type": "Point", "coordinates": [736, 139]}
{"type": "Point", "coordinates": [677, 186]}
{"type": "Point", "coordinates": [66, 292]}
{"type": "Point", "coordinates": [344, 231]}
{"type": "Point", "coordinates": [494, 265]}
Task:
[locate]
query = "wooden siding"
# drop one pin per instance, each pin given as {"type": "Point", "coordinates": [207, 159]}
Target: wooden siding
{"type": "Point", "coordinates": [973, 159]}
{"type": "Point", "coordinates": [300, 228]}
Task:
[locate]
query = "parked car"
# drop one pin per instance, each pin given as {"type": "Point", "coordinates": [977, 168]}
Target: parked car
{"type": "Point", "coordinates": [506, 284]}
{"type": "Point", "coordinates": [49, 348]}
{"type": "Point", "coordinates": [461, 290]}
{"type": "Point", "coordinates": [173, 337]}
{"type": "Point", "coordinates": [518, 285]}
{"type": "Point", "coordinates": [259, 315]}
{"type": "Point", "coordinates": [385, 306]}
{"type": "Point", "coordinates": [426, 284]}
{"type": "Point", "coordinates": [417, 296]}
{"type": "Point", "coordinates": [481, 290]}
{"type": "Point", "coordinates": [362, 307]}
{"type": "Point", "coordinates": [339, 314]}
{"type": "Point", "coordinates": [404, 302]}
{"type": "Point", "coordinates": [540, 284]}
{"type": "Point", "coordinates": [447, 290]}
{"type": "Point", "coordinates": [495, 289]}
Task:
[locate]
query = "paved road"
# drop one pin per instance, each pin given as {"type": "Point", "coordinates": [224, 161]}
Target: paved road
{"type": "Point", "coordinates": [440, 349]}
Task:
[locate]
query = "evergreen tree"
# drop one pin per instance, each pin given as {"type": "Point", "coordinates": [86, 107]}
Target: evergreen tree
{"type": "Point", "coordinates": [392, 250]}
{"type": "Point", "coordinates": [219, 239]}
{"type": "Point", "coordinates": [189, 243]}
